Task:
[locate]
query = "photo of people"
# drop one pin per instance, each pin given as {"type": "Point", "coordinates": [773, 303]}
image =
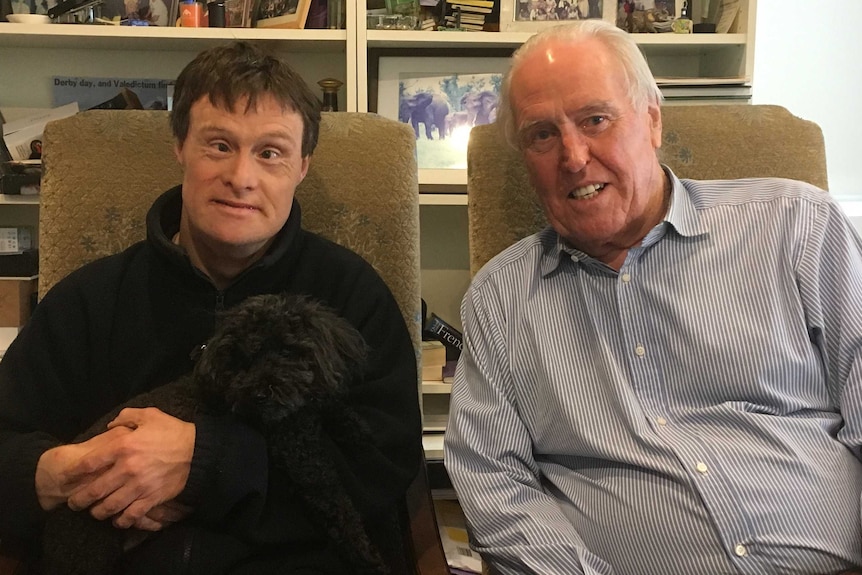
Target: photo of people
{"type": "Point", "coordinates": [545, 10]}
{"type": "Point", "coordinates": [274, 8]}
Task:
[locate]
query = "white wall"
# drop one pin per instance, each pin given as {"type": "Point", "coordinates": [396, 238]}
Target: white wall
{"type": "Point", "coordinates": [808, 58]}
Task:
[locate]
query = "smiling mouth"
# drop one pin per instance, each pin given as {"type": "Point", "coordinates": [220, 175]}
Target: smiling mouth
{"type": "Point", "coordinates": [586, 192]}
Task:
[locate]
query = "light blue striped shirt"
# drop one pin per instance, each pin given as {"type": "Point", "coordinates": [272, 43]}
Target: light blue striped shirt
{"type": "Point", "coordinates": [696, 412]}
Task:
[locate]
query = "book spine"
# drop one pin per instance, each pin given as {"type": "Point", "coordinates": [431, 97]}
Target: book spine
{"type": "Point", "coordinates": [444, 332]}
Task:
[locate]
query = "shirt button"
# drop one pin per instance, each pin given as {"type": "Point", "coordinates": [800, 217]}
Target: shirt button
{"type": "Point", "coordinates": [740, 550]}
{"type": "Point", "coordinates": [661, 421]}
{"type": "Point", "coordinates": [640, 351]}
{"type": "Point", "coordinates": [626, 278]}
{"type": "Point", "coordinates": [702, 468]}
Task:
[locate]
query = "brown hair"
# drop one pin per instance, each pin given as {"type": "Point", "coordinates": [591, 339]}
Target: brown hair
{"type": "Point", "coordinates": [228, 73]}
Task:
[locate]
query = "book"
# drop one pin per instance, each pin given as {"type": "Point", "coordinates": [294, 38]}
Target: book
{"type": "Point", "coordinates": [433, 360]}
{"type": "Point", "coordinates": [478, 3]}
{"type": "Point", "coordinates": [433, 353]}
{"type": "Point", "coordinates": [445, 333]}
{"type": "Point", "coordinates": [469, 9]}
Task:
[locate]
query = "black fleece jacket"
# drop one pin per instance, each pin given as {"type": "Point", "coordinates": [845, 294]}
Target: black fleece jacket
{"type": "Point", "coordinates": [129, 322]}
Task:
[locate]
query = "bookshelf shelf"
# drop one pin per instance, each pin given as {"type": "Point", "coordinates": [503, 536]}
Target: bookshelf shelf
{"type": "Point", "coordinates": [430, 199]}
{"type": "Point", "coordinates": [436, 387]}
{"type": "Point", "coordinates": [160, 38]}
{"type": "Point", "coordinates": [25, 200]}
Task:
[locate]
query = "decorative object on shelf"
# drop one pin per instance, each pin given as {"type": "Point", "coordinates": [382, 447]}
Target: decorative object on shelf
{"type": "Point", "coordinates": [216, 17]}
{"type": "Point", "coordinates": [330, 88]}
{"type": "Point", "coordinates": [77, 11]}
{"type": "Point", "coordinates": [282, 13]}
{"type": "Point", "coordinates": [534, 15]}
{"type": "Point", "coordinates": [336, 16]}
{"type": "Point", "coordinates": [403, 7]}
{"type": "Point", "coordinates": [238, 13]}
{"type": "Point", "coordinates": [29, 18]}
{"type": "Point", "coordinates": [191, 14]}
{"type": "Point", "coordinates": [649, 16]}
{"type": "Point", "coordinates": [442, 98]}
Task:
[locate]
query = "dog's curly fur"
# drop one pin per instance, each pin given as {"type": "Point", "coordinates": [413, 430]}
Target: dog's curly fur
{"type": "Point", "coordinates": [279, 363]}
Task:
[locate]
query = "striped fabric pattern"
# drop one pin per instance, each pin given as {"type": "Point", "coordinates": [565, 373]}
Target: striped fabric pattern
{"type": "Point", "coordinates": [696, 412]}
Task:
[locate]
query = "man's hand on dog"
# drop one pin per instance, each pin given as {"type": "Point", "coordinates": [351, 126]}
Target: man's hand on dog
{"type": "Point", "coordinates": [141, 462]}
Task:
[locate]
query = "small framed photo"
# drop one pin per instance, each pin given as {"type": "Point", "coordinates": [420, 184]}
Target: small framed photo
{"type": "Point", "coordinates": [442, 99]}
{"type": "Point", "coordinates": [282, 13]}
{"type": "Point", "coordinates": [535, 15]}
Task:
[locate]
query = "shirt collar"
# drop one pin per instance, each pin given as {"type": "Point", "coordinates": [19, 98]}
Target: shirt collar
{"type": "Point", "coordinates": [681, 216]}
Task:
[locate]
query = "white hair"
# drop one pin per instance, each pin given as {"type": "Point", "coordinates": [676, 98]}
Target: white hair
{"type": "Point", "coordinates": [643, 89]}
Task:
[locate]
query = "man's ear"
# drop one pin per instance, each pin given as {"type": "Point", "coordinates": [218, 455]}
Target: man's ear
{"type": "Point", "coordinates": [306, 162]}
{"type": "Point", "coordinates": [654, 111]}
{"type": "Point", "coordinates": [178, 152]}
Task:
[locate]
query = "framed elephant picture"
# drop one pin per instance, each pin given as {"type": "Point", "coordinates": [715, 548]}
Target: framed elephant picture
{"type": "Point", "coordinates": [442, 99]}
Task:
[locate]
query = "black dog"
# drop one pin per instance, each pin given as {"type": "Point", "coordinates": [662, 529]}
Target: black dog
{"type": "Point", "coordinates": [279, 363]}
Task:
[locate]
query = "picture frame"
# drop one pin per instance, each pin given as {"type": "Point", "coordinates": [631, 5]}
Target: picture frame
{"type": "Point", "coordinates": [282, 13]}
{"type": "Point", "coordinates": [470, 88]}
{"type": "Point", "coordinates": [535, 15]}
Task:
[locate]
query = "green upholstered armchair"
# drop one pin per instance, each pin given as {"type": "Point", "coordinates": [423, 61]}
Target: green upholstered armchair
{"type": "Point", "coordinates": [698, 142]}
{"type": "Point", "coordinates": [103, 169]}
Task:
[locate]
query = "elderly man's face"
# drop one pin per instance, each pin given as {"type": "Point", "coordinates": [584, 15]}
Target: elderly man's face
{"type": "Point", "coordinates": [591, 155]}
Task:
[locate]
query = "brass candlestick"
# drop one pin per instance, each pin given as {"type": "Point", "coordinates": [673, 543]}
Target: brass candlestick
{"type": "Point", "coordinates": [330, 88]}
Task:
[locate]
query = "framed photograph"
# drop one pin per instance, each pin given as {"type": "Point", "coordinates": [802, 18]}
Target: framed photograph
{"type": "Point", "coordinates": [282, 13]}
{"type": "Point", "coordinates": [442, 99]}
{"type": "Point", "coordinates": [535, 15]}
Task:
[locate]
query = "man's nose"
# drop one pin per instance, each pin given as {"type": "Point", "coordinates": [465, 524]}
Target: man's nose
{"type": "Point", "coordinates": [575, 150]}
{"type": "Point", "coordinates": [242, 173]}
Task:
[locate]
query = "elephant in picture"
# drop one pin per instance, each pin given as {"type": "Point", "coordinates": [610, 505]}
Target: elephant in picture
{"type": "Point", "coordinates": [481, 106]}
{"type": "Point", "coordinates": [458, 119]}
{"type": "Point", "coordinates": [425, 108]}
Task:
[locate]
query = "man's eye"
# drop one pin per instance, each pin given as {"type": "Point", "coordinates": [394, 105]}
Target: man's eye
{"type": "Point", "coordinates": [594, 124]}
{"type": "Point", "coordinates": [269, 154]}
{"type": "Point", "coordinates": [542, 134]}
{"type": "Point", "coordinates": [222, 147]}
{"type": "Point", "coordinates": [540, 138]}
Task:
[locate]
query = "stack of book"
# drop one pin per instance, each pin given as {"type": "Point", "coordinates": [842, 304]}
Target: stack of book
{"type": "Point", "coordinates": [690, 91]}
{"type": "Point", "coordinates": [468, 14]}
{"type": "Point", "coordinates": [433, 360]}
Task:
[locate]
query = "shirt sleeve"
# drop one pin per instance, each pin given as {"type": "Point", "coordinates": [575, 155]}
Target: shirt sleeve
{"type": "Point", "coordinates": [514, 523]}
{"type": "Point", "coordinates": [830, 280]}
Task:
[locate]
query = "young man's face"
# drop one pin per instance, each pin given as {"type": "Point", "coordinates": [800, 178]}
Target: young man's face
{"type": "Point", "coordinates": [241, 170]}
{"type": "Point", "coordinates": [591, 155]}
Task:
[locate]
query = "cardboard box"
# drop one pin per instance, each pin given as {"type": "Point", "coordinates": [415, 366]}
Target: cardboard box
{"type": "Point", "coordinates": [16, 300]}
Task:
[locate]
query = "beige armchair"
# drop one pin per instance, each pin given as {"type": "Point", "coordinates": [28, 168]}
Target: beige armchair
{"type": "Point", "coordinates": [104, 168]}
{"type": "Point", "coordinates": [698, 142]}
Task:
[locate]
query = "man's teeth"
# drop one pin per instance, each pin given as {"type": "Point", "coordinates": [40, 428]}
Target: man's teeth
{"type": "Point", "coordinates": [587, 191]}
